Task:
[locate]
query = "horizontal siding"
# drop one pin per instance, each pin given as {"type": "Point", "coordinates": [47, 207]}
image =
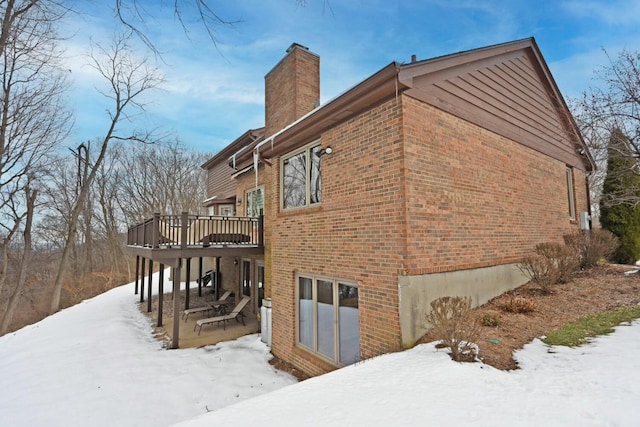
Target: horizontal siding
{"type": "Point", "coordinates": [506, 96]}
{"type": "Point", "coordinates": [219, 181]}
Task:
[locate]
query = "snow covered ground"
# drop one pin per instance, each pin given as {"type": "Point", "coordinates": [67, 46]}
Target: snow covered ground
{"type": "Point", "coordinates": [594, 385]}
{"type": "Point", "coordinates": [97, 364]}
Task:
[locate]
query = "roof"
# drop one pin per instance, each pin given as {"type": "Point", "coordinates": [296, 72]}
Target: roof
{"type": "Point", "coordinates": [506, 88]}
{"type": "Point", "coordinates": [434, 81]}
{"type": "Point", "coordinates": [243, 143]}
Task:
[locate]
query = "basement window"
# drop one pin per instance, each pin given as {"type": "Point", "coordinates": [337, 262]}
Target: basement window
{"type": "Point", "coordinates": [301, 177]}
{"type": "Point", "coordinates": [327, 317]}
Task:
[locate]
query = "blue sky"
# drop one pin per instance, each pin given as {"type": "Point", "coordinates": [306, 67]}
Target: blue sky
{"type": "Point", "coordinates": [212, 95]}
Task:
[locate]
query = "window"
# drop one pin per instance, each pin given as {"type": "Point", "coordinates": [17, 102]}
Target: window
{"type": "Point", "coordinates": [328, 318]}
{"type": "Point", "coordinates": [246, 277]}
{"type": "Point", "coordinates": [301, 177]}
{"type": "Point", "coordinates": [255, 202]}
{"type": "Point", "coordinates": [226, 210]}
{"type": "Point", "coordinates": [222, 210]}
{"type": "Point", "coordinates": [570, 195]}
{"type": "Point", "coordinates": [260, 281]}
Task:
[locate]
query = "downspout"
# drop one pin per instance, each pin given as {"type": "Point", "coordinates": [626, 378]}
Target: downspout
{"type": "Point", "coordinates": [256, 154]}
{"type": "Point", "coordinates": [256, 158]}
{"type": "Point", "coordinates": [586, 183]}
{"type": "Point", "coordinates": [272, 138]}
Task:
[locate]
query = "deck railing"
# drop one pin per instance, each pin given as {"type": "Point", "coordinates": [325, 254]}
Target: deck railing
{"type": "Point", "coordinates": [183, 231]}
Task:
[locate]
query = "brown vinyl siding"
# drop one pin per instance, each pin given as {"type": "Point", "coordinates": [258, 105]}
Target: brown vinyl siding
{"type": "Point", "coordinates": [506, 97]}
{"type": "Point", "coordinates": [219, 181]}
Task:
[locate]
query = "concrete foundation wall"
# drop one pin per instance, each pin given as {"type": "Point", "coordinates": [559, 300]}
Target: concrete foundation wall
{"type": "Point", "coordinates": [480, 284]}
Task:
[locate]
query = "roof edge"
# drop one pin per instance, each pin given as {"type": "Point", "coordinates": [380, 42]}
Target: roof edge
{"type": "Point", "coordinates": [243, 142]}
{"type": "Point", "coordinates": [372, 88]}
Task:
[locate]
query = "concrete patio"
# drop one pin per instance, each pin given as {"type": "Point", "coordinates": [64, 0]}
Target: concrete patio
{"type": "Point", "coordinates": [210, 334]}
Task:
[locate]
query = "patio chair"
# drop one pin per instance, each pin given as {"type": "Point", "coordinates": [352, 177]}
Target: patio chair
{"type": "Point", "coordinates": [213, 305]}
{"type": "Point", "coordinates": [237, 312]}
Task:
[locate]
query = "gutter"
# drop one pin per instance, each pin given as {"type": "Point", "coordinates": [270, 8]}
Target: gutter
{"type": "Point", "coordinates": [349, 96]}
{"type": "Point", "coordinates": [356, 97]}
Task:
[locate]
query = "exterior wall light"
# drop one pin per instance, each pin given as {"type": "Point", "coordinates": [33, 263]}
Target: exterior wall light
{"type": "Point", "coordinates": [327, 150]}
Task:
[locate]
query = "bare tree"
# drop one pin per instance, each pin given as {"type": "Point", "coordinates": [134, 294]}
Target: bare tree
{"type": "Point", "coordinates": [127, 79]}
{"type": "Point", "coordinates": [613, 104]}
{"type": "Point", "coordinates": [60, 191]}
{"type": "Point", "coordinates": [25, 260]}
{"type": "Point", "coordinates": [109, 222]}
{"type": "Point", "coordinates": [164, 178]}
{"type": "Point", "coordinates": [135, 15]}
{"type": "Point", "coordinates": [34, 119]}
{"type": "Point", "coordinates": [13, 10]}
{"type": "Point", "coordinates": [33, 116]}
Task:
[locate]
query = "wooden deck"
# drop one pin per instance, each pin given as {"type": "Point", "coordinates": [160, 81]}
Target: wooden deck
{"type": "Point", "coordinates": [167, 238]}
{"type": "Point", "coordinates": [170, 239]}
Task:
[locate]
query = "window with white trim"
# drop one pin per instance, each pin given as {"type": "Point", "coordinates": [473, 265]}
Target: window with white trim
{"type": "Point", "coordinates": [301, 177]}
{"type": "Point", "coordinates": [226, 210]}
{"type": "Point", "coordinates": [570, 194]}
{"type": "Point", "coordinates": [328, 318]}
{"type": "Point", "coordinates": [255, 202]}
{"type": "Point", "coordinates": [221, 210]}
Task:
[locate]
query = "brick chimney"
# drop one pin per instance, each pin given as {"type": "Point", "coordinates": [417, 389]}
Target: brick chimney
{"type": "Point", "coordinates": [292, 88]}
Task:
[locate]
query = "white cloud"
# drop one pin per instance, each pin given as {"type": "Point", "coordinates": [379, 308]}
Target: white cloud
{"type": "Point", "coordinates": [574, 74]}
{"type": "Point", "coordinates": [611, 12]}
{"type": "Point", "coordinates": [215, 93]}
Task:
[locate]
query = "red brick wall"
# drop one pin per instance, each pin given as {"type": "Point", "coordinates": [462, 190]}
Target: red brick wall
{"type": "Point", "coordinates": [413, 194]}
{"type": "Point", "coordinates": [477, 199]}
{"type": "Point", "coordinates": [356, 234]}
{"type": "Point", "coordinates": [292, 89]}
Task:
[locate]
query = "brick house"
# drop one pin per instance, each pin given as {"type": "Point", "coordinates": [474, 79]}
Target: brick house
{"type": "Point", "coordinates": [428, 178]}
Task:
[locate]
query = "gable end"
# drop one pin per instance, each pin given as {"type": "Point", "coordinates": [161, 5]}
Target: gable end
{"type": "Point", "coordinates": [506, 91]}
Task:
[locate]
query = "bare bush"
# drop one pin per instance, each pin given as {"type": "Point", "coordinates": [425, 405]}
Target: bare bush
{"type": "Point", "coordinates": [592, 246]}
{"type": "Point", "coordinates": [552, 263]}
{"type": "Point", "coordinates": [456, 326]}
{"type": "Point", "coordinates": [518, 304]}
{"type": "Point", "coordinates": [540, 270]}
{"type": "Point", "coordinates": [565, 258]}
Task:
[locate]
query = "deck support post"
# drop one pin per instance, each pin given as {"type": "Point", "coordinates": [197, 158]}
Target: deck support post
{"type": "Point", "coordinates": [137, 273]}
{"type": "Point", "coordinates": [200, 276]}
{"type": "Point", "coordinates": [149, 282]}
{"type": "Point", "coordinates": [187, 282]}
{"type": "Point", "coordinates": [216, 277]}
{"type": "Point", "coordinates": [160, 294]}
{"type": "Point", "coordinates": [142, 281]}
{"type": "Point", "coordinates": [176, 305]}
